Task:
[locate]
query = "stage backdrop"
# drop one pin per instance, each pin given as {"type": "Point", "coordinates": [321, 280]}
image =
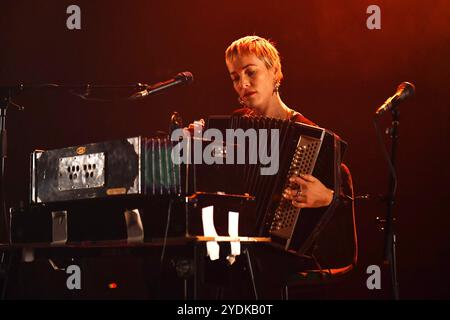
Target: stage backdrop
{"type": "Point", "coordinates": [340, 61]}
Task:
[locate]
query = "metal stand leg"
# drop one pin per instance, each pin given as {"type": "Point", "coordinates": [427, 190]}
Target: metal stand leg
{"type": "Point", "coordinates": [252, 276]}
{"type": "Point", "coordinates": [5, 267]}
{"type": "Point", "coordinates": [285, 292]}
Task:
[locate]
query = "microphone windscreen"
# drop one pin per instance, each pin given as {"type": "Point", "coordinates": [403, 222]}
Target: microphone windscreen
{"type": "Point", "coordinates": [185, 77]}
{"type": "Point", "coordinates": [406, 89]}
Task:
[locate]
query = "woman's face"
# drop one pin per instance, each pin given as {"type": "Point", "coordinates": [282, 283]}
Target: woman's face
{"type": "Point", "coordinates": [253, 82]}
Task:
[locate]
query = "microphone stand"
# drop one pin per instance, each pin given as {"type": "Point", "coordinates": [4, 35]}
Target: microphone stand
{"type": "Point", "coordinates": [389, 232]}
{"type": "Point", "coordinates": [5, 100]}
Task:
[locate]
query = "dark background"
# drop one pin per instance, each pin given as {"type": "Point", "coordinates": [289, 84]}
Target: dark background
{"type": "Point", "coordinates": [337, 72]}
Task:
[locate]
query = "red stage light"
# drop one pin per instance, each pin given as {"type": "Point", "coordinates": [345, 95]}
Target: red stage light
{"type": "Point", "coordinates": [112, 285]}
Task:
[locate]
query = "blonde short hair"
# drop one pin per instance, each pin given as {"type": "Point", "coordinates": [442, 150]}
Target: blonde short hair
{"type": "Point", "coordinates": [262, 48]}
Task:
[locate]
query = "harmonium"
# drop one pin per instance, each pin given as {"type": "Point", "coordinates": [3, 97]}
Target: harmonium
{"type": "Point", "coordinates": [100, 192]}
{"type": "Point", "coordinates": [135, 166]}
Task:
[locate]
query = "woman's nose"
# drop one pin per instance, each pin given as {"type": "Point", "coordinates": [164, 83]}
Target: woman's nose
{"type": "Point", "coordinates": [245, 83]}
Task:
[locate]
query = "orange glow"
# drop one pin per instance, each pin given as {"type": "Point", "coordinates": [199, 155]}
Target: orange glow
{"type": "Point", "coordinates": [112, 285]}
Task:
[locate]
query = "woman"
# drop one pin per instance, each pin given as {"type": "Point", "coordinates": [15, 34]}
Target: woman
{"type": "Point", "coordinates": [255, 69]}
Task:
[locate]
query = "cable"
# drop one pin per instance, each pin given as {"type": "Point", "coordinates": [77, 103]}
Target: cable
{"type": "Point", "coordinates": [166, 232]}
{"type": "Point", "coordinates": [163, 251]}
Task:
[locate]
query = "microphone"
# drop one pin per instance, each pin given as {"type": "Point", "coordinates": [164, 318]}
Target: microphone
{"type": "Point", "coordinates": [404, 90]}
{"type": "Point", "coordinates": [180, 78]}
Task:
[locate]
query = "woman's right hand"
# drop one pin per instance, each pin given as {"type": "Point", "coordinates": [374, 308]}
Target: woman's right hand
{"type": "Point", "coordinates": [196, 125]}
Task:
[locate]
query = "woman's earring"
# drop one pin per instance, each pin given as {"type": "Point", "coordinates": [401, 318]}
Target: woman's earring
{"type": "Point", "coordinates": [277, 87]}
{"type": "Point", "coordinates": [241, 102]}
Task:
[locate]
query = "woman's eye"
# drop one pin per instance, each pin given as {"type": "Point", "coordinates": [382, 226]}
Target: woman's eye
{"type": "Point", "coordinates": [235, 80]}
{"type": "Point", "coordinates": [251, 73]}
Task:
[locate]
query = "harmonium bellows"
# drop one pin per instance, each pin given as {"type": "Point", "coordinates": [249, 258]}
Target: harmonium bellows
{"type": "Point", "coordinates": [134, 166]}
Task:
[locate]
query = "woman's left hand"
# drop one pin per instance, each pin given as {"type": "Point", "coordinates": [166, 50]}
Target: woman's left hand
{"type": "Point", "coordinates": [311, 193]}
